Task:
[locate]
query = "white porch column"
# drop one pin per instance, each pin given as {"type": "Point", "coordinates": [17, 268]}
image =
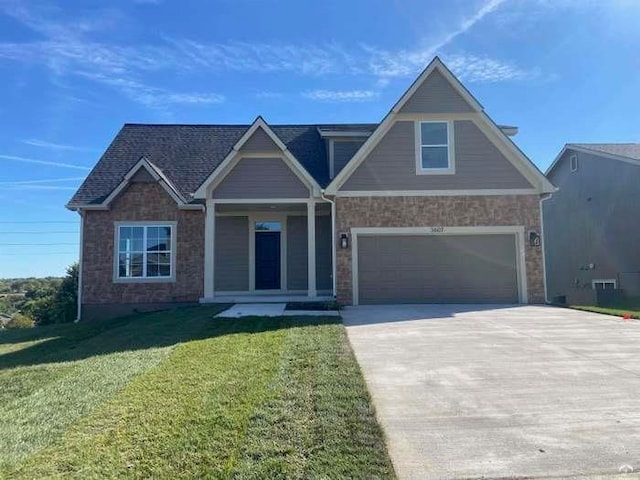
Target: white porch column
{"type": "Point", "coordinates": [311, 238]}
{"type": "Point", "coordinates": [209, 240]}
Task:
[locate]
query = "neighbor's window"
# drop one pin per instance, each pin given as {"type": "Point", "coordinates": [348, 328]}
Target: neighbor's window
{"type": "Point", "coordinates": [573, 163]}
{"type": "Point", "coordinates": [604, 284]}
{"type": "Point", "coordinates": [434, 147]}
{"type": "Point", "coordinates": [144, 251]}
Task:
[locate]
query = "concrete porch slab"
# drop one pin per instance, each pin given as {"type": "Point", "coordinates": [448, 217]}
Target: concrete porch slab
{"type": "Point", "coordinates": [311, 313]}
{"type": "Point", "coordinates": [254, 310]}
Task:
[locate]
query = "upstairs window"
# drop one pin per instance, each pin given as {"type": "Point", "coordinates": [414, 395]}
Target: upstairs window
{"type": "Point", "coordinates": [145, 252]}
{"type": "Point", "coordinates": [573, 163]}
{"type": "Point", "coordinates": [435, 150]}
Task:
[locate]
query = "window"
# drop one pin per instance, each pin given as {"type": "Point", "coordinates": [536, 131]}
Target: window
{"type": "Point", "coordinates": [608, 284]}
{"type": "Point", "coordinates": [145, 251]}
{"type": "Point", "coordinates": [435, 153]}
{"type": "Point", "coordinates": [573, 163]}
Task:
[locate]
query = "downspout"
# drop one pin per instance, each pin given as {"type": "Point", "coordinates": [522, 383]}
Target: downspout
{"type": "Point", "coordinates": [544, 254]}
{"type": "Point", "coordinates": [333, 241]}
{"type": "Point", "coordinates": [79, 313]}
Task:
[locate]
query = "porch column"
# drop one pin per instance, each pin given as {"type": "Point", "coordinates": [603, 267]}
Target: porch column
{"type": "Point", "coordinates": [311, 237]}
{"type": "Point", "coordinates": [209, 240]}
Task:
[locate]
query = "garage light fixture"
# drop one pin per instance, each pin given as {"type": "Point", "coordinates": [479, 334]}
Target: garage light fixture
{"type": "Point", "coordinates": [344, 240]}
{"type": "Point", "coordinates": [534, 239]}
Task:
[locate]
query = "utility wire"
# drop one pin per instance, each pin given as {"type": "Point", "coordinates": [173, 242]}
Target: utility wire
{"type": "Point", "coordinates": [36, 253]}
{"type": "Point", "coordinates": [33, 244]}
{"type": "Point", "coordinates": [37, 233]}
{"type": "Point", "coordinates": [38, 222]}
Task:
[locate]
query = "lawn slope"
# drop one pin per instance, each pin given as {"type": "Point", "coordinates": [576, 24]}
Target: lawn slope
{"type": "Point", "coordinates": [179, 394]}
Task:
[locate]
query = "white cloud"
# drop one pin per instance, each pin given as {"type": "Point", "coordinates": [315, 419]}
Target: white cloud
{"type": "Point", "coordinates": [56, 146]}
{"type": "Point", "coordinates": [69, 50]}
{"type": "Point", "coordinates": [14, 158]}
{"type": "Point", "coordinates": [341, 95]}
{"type": "Point", "coordinates": [472, 68]}
{"type": "Point", "coordinates": [47, 180]}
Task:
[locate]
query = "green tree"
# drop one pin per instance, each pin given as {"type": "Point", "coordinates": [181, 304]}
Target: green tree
{"type": "Point", "coordinates": [20, 321]}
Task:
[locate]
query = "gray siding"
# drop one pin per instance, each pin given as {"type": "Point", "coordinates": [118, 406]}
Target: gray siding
{"type": "Point", "coordinates": [324, 269]}
{"type": "Point", "coordinates": [261, 178]}
{"type": "Point", "coordinates": [436, 95]}
{"type": "Point", "coordinates": [437, 269]}
{"type": "Point", "coordinates": [478, 164]}
{"type": "Point", "coordinates": [231, 254]}
{"type": "Point", "coordinates": [593, 219]}
{"type": "Point", "coordinates": [297, 248]}
{"type": "Point", "coordinates": [343, 151]}
{"type": "Point", "coordinates": [259, 142]}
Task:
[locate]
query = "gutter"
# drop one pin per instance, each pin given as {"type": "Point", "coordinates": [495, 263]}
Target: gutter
{"type": "Point", "coordinates": [79, 313]}
{"type": "Point", "coordinates": [543, 198]}
{"type": "Point", "coordinates": [333, 241]}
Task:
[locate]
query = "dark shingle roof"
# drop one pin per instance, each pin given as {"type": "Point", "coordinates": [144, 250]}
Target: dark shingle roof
{"type": "Point", "coordinates": [629, 150]}
{"type": "Point", "coordinates": [188, 154]}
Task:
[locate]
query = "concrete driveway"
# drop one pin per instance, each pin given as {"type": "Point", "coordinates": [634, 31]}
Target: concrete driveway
{"type": "Point", "coordinates": [501, 392]}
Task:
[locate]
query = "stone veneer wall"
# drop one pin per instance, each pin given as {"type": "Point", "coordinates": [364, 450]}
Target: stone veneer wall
{"type": "Point", "coordinates": [463, 211]}
{"type": "Point", "coordinates": [140, 202]}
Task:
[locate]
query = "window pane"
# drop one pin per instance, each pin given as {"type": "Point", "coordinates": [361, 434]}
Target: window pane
{"type": "Point", "coordinates": [435, 157]}
{"type": "Point", "coordinates": [434, 133]}
{"type": "Point", "coordinates": [165, 270]}
{"type": "Point", "coordinates": [268, 227]}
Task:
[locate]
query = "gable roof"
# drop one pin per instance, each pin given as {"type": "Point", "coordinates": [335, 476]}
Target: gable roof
{"type": "Point", "coordinates": [187, 154]}
{"type": "Point", "coordinates": [498, 134]}
{"type": "Point", "coordinates": [626, 152]}
{"type": "Point", "coordinates": [259, 125]}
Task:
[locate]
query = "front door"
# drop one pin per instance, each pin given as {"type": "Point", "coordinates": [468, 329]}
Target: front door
{"type": "Point", "coordinates": [267, 256]}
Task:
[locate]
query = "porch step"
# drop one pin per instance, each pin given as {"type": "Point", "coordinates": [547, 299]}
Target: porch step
{"type": "Point", "coordinates": [265, 299]}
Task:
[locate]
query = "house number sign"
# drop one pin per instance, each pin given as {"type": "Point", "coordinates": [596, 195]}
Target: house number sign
{"type": "Point", "coordinates": [437, 229]}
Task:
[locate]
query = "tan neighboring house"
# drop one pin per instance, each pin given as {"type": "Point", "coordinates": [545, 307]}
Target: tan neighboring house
{"type": "Point", "coordinates": [434, 204]}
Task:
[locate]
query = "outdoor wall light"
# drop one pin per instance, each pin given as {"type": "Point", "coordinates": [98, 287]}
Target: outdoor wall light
{"type": "Point", "coordinates": [344, 240]}
{"type": "Point", "coordinates": [534, 239]}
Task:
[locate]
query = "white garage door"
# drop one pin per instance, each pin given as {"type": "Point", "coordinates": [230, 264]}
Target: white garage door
{"type": "Point", "coordinates": [437, 269]}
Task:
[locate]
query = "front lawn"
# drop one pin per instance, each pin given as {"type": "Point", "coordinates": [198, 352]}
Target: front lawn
{"type": "Point", "coordinates": [180, 394]}
{"type": "Point", "coordinates": [617, 312]}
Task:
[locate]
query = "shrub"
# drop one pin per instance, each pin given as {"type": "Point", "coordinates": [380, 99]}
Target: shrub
{"type": "Point", "coordinates": [20, 321]}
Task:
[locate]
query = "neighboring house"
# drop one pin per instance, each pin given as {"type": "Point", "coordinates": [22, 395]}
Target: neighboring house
{"type": "Point", "coordinates": [592, 224]}
{"type": "Point", "coordinates": [433, 204]}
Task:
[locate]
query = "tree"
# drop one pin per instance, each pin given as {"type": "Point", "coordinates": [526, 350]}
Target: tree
{"type": "Point", "coordinates": [54, 303]}
{"type": "Point", "coordinates": [20, 321]}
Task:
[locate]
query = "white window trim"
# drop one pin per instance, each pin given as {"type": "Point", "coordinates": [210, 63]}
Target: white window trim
{"type": "Point", "coordinates": [603, 281]}
{"type": "Point", "coordinates": [116, 248]}
{"type": "Point", "coordinates": [572, 159]}
{"type": "Point", "coordinates": [420, 170]}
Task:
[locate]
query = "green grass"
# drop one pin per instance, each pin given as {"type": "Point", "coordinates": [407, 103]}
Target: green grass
{"type": "Point", "coordinates": [179, 394]}
{"type": "Point", "coordinates": [618, 312]}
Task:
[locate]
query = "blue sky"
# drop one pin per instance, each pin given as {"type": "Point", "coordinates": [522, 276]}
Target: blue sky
{"type": "Point", "coordinates": [74, 72]}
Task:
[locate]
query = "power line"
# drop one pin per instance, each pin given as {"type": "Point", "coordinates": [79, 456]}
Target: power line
{"type": "Point", "coordinates": [38, 222]}
{"type": "Point", "coordinates": [33, 244]}
{"type": "Point", "coordinates": [36, 253]}
{"type": "Point", "coordinates": [38, 233]}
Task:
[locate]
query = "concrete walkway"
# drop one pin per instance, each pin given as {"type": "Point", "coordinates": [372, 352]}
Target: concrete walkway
{"type": "Point", "coordinates": [501, 392]}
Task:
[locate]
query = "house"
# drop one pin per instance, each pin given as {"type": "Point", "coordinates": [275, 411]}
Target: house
{"type": "Point", "coordinates": [592, 224]}
{"type": "Point", "coordinates": [433, 204]}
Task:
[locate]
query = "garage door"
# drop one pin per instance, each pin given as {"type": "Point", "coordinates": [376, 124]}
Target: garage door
{"type": "Point", "coordinates": [437, 269]}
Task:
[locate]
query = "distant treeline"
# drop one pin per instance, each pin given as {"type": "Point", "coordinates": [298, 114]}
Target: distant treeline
{"type": "Point", "coordinates": [45, 300]}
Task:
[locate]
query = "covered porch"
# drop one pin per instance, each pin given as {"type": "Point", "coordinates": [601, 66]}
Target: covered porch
{"type": "Point", "coordinates": [272, 250]}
